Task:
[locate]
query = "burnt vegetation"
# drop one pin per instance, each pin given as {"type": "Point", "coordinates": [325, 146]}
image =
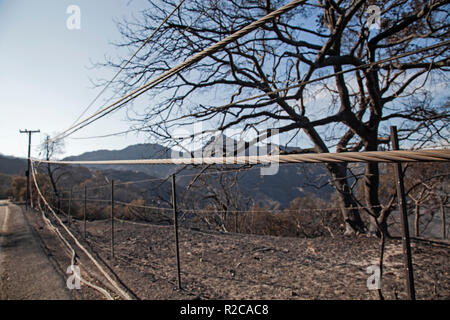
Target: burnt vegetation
{"type": "Point", "coordinates": [348, 111]}
{"type": "Point", "coordinates": [216, 201]}
{"type": "Point", "coordinates": [370, 85]}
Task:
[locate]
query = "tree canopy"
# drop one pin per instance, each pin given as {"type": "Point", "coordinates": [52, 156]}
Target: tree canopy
{"type": "Point", "coordinates": [369, 87]}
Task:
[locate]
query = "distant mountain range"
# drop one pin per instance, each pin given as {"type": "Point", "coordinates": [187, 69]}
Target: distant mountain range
{"type": "Point", "coordinates": [291, 181]}
{"type": "Point", "coordinates": [12, 166]}
{"type": "Point", "coordinates": [137, 151]}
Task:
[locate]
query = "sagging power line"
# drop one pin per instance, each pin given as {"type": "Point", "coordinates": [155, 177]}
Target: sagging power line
{"type": "Point", "coordinates": [122, 292]}
{"type": "Point", "coordinates": [373, 156]}
{"type": "Point", "coordinates": [128, 61]}
{"type": "Point", "coordinates": [177, 69]}
{"type": "Point", "coordinates": [301, 84]}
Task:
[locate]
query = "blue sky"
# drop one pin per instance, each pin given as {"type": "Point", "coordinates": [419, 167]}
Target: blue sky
{"type": "Point", "coordinates": [44, 77]}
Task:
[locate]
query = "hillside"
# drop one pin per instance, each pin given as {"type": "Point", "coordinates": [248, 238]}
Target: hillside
{"type": "Point", "coordinates": [279, 189]}
{"type": "Point", "coordinates": [5, 185]}
{"type": "Point", "coordinates": [11, 165]}
{"type": "Point", "coordinates": [138, 151]}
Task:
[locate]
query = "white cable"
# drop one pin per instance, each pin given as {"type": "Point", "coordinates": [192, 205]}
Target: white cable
{"type": "Point", "coordinates": [124, 294]}
{"type": "Point", "coordinates": [129, 60]}
{"type": "Point", "coordinates": [72, 253]}
{"type": "Point", "coordinates": [177, 69]}
{"type": "Point", "coordinates": [367, 156]}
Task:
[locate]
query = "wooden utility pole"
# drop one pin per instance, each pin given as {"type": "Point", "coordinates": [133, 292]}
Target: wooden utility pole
{"type": "Point", "coordinates": [404, 219]}
{"type": "Point", "coordinates": [175, 224]}
{"type": "Point", "coordinates": [29, 132]}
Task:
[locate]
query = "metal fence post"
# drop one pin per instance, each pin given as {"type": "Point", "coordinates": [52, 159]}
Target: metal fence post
{"type": "Point", "coordinates": [404, 219]}
{"type": "Point", "coordinates": [112, 219]}
{"type": "Point", "coordinates": [175, 223]}
{"type": "Point", "coordinates": [70, 206]}
{"type": "Point", "coordinates": [85, 204]}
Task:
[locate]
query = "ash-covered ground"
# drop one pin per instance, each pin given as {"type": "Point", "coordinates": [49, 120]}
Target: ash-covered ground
{"type": "Point", "coordinates": [238, 266]}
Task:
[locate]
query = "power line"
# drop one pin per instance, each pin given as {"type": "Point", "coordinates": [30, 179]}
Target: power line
{"type": "Point", "coordinates": [373, 156]}
{"type": "Point", "coordinates": [303, 83]}
{"type": "Point", "coordinates": [71, 251]}
{"type": "Point", "coordinates": [250, 210]}
{"type": "Point", "coordinates": [128, 61]}
{"type": "Point", "coordinates": [123, 293]}
{"type": "Point", "coordinates": [109, 135]}
{"type": "Point", "coordinates": [128, 183]}
{"type": "Point", "coordinates": [132, 130]}
{"type": "Point", "coordinates": [182, 32]}
{"type": "Point", "coordinates": [177, 69]}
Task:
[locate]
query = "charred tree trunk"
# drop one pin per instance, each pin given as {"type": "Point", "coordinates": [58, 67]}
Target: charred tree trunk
{"type": "Point", "coordinates": [338, 171]}
{"type": "Point", "coordinates": [444, 235]}
{"type": "Point", "coordinates": [378, 222]}
{"type": "Point", "coordinates": [371, 183]}
{"type": "Point", "coordinates": [54, 187]}
{"type": "Point", "coordinates": [350, 213]}
{"type": "Point", "coordinates": [49, 148]}
{"type": "Point", "coordinates": [416, 219]}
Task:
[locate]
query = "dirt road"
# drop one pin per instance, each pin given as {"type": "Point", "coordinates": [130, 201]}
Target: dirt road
{"type": "Point", "coordinates": [26, 273]}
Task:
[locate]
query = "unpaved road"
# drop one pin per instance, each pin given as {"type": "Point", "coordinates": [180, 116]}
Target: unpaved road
{"type": "Point", "coordinates": [26, 273]}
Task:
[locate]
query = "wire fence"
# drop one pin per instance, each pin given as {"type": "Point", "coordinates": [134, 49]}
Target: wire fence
{"type": "Point", "coordinates": [143, 212]}
{"type": "Point", "coordinates": [110, 237]}
{"type": "Point", "coordinates": [144, 256]}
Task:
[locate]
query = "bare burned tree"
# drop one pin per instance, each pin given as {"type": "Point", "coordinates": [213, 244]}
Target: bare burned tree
{"type": "Point", "coordinates": [50, 148]}
{"type": "Point", "coordinates": [215, 197]}
{"type": "Point", "coordinates": [350, 111]}
{"type": "Point", "coordinates": [427, 186]}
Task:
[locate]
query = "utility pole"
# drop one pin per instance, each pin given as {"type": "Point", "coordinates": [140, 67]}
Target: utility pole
{"type": "Point", "coordinates": [30, 132]}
